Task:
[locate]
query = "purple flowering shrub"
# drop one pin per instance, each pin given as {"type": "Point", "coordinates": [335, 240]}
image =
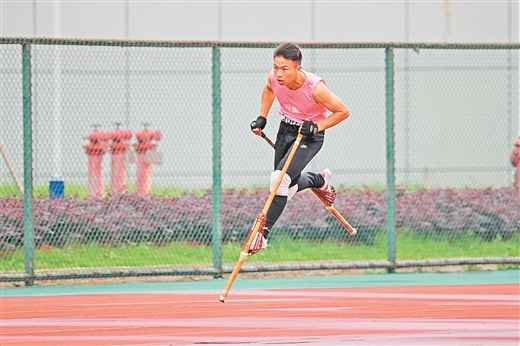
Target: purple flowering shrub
{"type": "Point", "coordinates": [131, 218]}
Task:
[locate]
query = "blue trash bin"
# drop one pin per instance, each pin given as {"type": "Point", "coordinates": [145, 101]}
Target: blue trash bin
{"type": "Point", "coordinates": [57, 187]}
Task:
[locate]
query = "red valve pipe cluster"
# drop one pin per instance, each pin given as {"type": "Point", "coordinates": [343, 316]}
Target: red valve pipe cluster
{"type": "Point", "coordinates": [144, 149]}
{"type": "Point", "coordinates": [95, 151]}
{"type": "Point", "coordinates": [515, 161]}
{"type": "Point", "coordinates": [117, 143]}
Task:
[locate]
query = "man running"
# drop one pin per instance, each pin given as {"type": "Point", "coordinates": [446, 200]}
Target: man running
{"type": "Point", "coordinates": [302, 95]}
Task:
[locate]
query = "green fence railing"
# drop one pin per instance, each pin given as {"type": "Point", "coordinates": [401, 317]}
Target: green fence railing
{"type": "Point", "coordinates": [137, 159]}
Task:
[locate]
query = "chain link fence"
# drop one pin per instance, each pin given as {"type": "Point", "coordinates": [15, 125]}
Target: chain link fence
{"type": "Point", "coordinates": [136, 158]}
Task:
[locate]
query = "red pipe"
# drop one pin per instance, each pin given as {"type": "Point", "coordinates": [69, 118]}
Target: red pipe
{"type": "Point", "coordinates": [143, 148]}
{"type": "Point", "coordinates": [515, 161]}
{"type": "Point", "coordinates": [118, 147]}
{"type": "Point", "coordinates": [95, 151]}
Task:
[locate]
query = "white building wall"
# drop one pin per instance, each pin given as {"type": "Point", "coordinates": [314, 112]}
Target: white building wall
{"type": "Point", "coordinates": [359, 21]}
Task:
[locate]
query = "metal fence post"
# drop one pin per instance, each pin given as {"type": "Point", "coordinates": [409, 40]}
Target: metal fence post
{"type": "Point", "coordinates": [390, 160]}
{"type": "Point", "coordinates": [28, 198]}
{"type": "Point", "coordinates": [217, 172]}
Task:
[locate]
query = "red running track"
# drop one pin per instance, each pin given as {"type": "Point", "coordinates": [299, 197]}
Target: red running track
{"type": "Point", "coordinates": [447, 315]}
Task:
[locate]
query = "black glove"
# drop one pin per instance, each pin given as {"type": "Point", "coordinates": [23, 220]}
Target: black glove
{"type": "Point", "coordinates": [259, 123]}
{"type": "Point", "coordinates": [309, 128]}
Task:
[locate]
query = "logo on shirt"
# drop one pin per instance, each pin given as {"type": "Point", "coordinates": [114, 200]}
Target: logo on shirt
{"type": "Point", "coordinates": [292, 109]}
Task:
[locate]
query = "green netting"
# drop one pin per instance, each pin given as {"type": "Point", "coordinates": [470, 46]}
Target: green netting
{"type": "Point", "coordinates": [183, 201]}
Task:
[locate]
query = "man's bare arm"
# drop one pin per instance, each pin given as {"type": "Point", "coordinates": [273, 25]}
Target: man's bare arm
{"type": "Point", "coordinates": [267, 103]}
{"type": "Point", "coordinates": [329, 100]}
{"type": "Point", "coordinates": [267, 97]}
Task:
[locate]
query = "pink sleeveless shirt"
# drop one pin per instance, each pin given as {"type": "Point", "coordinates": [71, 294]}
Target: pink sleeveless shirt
{"type": "Point", "coordinates": [296, 105]}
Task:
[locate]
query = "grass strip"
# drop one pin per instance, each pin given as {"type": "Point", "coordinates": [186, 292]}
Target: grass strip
{"type": "Point", "coordinates": [282, 249]}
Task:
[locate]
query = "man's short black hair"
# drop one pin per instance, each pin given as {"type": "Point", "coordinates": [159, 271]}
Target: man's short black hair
{"type": "Point", "coordinates": [289, 51]}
